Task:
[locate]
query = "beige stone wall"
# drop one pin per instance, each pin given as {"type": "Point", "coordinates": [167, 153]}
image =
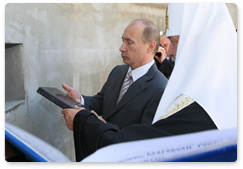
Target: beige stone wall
{"type": "Point", "coordinates": [233, 12]}
{"type": "Point", "coordinates": [77, 44]}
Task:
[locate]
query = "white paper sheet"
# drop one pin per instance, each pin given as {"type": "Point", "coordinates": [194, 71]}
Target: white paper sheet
{"type": "Point", "coordinates": [37, 146]}
{"type": "Point", "coordinates": [165, 149]}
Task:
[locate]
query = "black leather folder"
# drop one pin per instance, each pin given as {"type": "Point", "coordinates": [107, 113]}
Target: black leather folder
{"type": "Point", "coordinates": [57, 96]}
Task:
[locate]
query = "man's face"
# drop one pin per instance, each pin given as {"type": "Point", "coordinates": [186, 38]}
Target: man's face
{"type": "Point", "coordinates": [173, 46]}
{"type": "Point", "coordinates": [165, 42]}
{"type": "Point", "coordinates": [133, 49]}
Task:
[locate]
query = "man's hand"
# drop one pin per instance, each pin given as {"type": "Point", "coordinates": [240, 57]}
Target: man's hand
{"type": "Point", "coordinates": [99, 117]}
{"type": "Point", "coordinates": [163, 55]}
{"type": "Point", "coordinates": [69, 115]}
{"type": "Point", "coordinates": [72, 93]}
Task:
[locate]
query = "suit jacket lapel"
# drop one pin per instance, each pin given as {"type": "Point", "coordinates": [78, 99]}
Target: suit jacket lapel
{"type": "Point", "coordinates": [114, 92]}
{"type": "Point", "coordinates": [136, 88]}
{"type": "Point", "coordinates": [118, 80]}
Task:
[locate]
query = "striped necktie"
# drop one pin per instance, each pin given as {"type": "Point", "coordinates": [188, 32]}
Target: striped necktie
{"type": "Point", "coordinates": [127, 82]}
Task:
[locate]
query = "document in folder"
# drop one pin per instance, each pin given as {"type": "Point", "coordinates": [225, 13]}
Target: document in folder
{"type": "Point", "coordinates": [57, 96]}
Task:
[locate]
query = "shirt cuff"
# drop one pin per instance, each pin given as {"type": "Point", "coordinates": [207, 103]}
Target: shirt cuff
{"type": "Point", "coordinates": [82, 100]}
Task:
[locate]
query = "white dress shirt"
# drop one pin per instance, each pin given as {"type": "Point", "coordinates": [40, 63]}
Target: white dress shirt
{"type": "Point", "coordinates": [140, 71]}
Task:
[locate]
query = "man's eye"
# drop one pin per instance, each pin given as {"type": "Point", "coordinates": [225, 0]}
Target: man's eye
{"type": "Point", "coordinates": [129, 42]}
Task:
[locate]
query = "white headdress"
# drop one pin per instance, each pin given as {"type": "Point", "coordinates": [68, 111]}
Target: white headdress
{"type": "Point", "coordinates": [175, 19]}
{"type": "Point", "coordinates": [206, 62]}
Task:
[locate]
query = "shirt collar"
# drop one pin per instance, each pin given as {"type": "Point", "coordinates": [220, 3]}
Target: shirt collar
{"type": "Point", "coordinates": [140, 71]}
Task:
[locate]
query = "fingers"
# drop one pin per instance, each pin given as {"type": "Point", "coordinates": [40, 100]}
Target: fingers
{"type": "Point", "coordinates": [69, 115]}
{"type": "Point", "coordinates": [66, 87]}
{"type": "Point", "coordinates": [71, 92]}
{"type": "Point", "coordinates": [65, 113]}
{"type": "Point", "coordinates": [99, 117]}
{"type": "Point", "coordinates": [156, 57]}
{"type": "Point", "coordinates": [92, 111]}
{"type": "Point", "coordinates": [160, 59]}
{"type": "Point", "coordinates": [78, 108]}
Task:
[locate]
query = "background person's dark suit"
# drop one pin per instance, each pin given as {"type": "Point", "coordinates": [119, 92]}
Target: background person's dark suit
{"type": "Point", "coordinates": [139, 103]}
{"type": "Point", "coordinates": [166, 67]}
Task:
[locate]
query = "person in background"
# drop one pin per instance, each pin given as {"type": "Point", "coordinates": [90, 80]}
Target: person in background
{"type": "Point", "coordinates": [164, 61]}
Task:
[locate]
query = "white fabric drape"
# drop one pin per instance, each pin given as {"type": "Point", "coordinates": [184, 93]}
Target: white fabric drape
{"type": "Point", "coordinates": [206, 63]}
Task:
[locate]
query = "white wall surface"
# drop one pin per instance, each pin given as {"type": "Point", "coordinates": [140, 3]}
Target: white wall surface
{"type": "Point", "coordinates": [77, 44]}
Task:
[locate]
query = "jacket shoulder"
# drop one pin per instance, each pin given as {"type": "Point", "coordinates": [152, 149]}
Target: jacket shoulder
{"type": "Point", "coordinates": [119, 68]}
{"type": "Point", "coordinates": [159, 76]}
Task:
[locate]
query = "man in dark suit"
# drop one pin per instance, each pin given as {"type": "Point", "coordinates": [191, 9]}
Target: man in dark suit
{"type": "Point", "coordinates": [164, 62]}
{"type": "Point", "coordinates": [139, 102]}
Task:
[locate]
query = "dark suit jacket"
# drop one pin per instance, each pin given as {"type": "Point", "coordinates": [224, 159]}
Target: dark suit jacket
{"type": "Point", "coordinates": [139, 103]}
{"type": "Point", "coordinates": [166, 67]}
{"type": "Point", "coordinates": [91, 134]}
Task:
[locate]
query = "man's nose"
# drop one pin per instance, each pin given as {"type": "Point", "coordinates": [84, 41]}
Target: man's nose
{"type": "Point", "coordinates": [122, 48]}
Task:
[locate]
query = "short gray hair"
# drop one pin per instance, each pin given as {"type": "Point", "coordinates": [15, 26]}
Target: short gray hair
{"type": "Point", "coordinates": [150, 33]}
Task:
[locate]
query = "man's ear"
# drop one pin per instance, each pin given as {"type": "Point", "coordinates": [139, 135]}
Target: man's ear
{"type": "Point", "coordinates": [152, 45]}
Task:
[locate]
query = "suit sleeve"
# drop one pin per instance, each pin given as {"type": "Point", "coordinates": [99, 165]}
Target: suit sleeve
{"type": "Point", "coordinates": [166, 67]}
{"type": "Point", "coordinates": [151, 108]}
{"type": "Point", "coordinates": [91, 134]}
{"type": "Point", "coordinates": [95, 102]}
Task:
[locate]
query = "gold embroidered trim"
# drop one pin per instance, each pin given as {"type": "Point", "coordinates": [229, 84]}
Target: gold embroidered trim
{"type": "Point", "coordinates": [186, 101]}
{"type": "Point", "coordinates": [166, 19]}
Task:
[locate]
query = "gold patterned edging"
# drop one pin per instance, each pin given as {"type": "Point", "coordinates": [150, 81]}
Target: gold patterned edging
{"type": "Point", "coordinates": [181, 102]}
